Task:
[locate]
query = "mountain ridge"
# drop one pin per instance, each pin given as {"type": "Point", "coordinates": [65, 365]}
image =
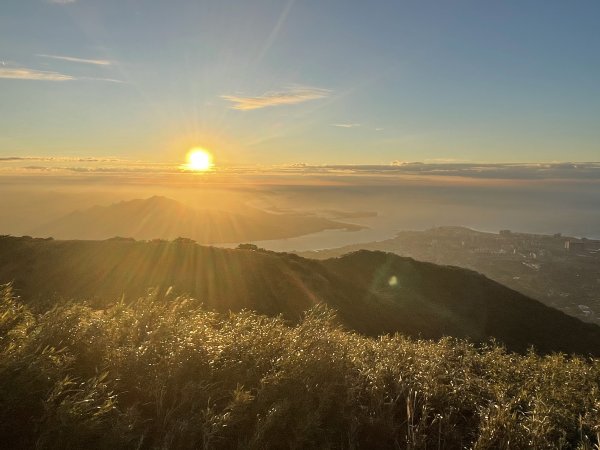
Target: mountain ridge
{"type": "Point", "coordinates": [159, 217]}
{"type": "Point", "coordinates": [560, 271]}
{"type": "Point", "coordinates": [374, 292]}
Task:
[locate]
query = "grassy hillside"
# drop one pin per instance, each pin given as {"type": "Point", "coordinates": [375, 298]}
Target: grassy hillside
{"type": "Point", "coordinates": [373, 292]}
{"type": "Point", "coordinates": [156, 374]}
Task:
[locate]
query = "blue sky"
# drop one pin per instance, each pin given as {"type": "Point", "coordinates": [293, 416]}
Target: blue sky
{"type": "Point", "coordinates": [305, 81]}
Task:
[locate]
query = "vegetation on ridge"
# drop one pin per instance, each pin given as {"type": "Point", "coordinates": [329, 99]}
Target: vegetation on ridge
{"type": "Point", "coordinates": [157, 374]}
{"type": "Point", "coordinates": [374, 293]}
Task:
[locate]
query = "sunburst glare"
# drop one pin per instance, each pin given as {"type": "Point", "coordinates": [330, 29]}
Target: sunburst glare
{"type": "Point", "coordinates": [199, 159]}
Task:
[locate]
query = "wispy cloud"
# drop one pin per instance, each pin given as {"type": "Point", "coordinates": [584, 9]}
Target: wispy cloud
{"type": "Point", "coordinates": [23, 73]}
{"type": "Point", "coordinates": [97, 62]}
{"type": "Point", "coordinates": [345, 125]}
{"type": "Point", "coordinates": [108, 80]}
{"type": "Point", "coordinates": [59, 158]}
{"type": "Point", "coordinates": [450, 168]}
{"type": "Point", "coordinates": [287, 97]}
{"type": "Point", "coordinates": [61, 2]}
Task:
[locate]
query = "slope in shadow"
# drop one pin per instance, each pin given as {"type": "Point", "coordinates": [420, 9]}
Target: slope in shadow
{"type": "Point", "coordinates": [373, 292]}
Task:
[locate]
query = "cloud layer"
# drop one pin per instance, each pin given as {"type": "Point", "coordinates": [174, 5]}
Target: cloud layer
{"type": "Point", "coordinates": [287, 97]}
{"type": "Point", "coordinates": [393, 172]}
{"type": "Point", "coordinates": [495, 171]}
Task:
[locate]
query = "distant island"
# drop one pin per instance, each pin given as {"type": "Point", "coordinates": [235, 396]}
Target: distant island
{"type": "Point", "coordinates": [160, 217]}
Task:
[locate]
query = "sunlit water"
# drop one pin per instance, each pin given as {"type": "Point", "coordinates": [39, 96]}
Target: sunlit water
{"type": "Point", "coordinates": [327, 238]}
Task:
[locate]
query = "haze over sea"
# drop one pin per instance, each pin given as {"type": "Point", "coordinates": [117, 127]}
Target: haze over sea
{"type": "Point", "coordinates": [385, 199]}
{"type": "Point", "coordinates": [573, 211]}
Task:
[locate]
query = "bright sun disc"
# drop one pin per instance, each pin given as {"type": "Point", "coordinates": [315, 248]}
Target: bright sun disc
{"type": "Point", "coordinates": [199, 159]}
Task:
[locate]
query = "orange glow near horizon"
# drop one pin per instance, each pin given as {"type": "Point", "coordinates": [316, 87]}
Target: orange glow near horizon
{"type": "Point", "coordinates": [199, 159]}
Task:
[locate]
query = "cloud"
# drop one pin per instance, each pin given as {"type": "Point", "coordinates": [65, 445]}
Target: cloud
{"type": "Point", "coordinates": [97, 62]}
{"type": "Point", "coordinates": [507, 171]}
{"type": "Point", "coordinates": [288, 97]}
{"type": "Point", "coordinates": [59, 158]}
{"type": "Point", "coordinates": [23, 73]}
{"type": "Point", "coordinates": [108, 80]}
{"type": "Point", "coordinates": [346, 125]}
{"type": "Point", "coordinates": [61, 2]}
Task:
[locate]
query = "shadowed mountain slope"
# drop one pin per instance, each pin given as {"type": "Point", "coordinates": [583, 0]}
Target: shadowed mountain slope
{"type": "Point", "coordinates": [537, 265]}
{"type": "Point", "coordinates": [373, 292]}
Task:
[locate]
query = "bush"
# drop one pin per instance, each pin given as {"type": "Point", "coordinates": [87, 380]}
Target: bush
{"type": "Point", "coordinates": [166, 373]}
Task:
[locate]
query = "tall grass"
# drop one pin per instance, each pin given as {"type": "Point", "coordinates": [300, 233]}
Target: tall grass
{"type": "Point", "coordinates": [166, 373]}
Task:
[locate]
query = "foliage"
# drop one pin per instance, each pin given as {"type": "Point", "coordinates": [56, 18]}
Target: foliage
{"type": "Point", "coordinates": [373, 293]}
{"type": "Point", "coordinates": [166, 373]}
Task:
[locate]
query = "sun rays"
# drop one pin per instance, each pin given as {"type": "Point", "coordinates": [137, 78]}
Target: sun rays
{"type": "Point", "coordinates": [199, 160]}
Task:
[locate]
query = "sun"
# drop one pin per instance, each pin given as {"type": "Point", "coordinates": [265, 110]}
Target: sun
{"type": "Point", "coordinates": [199, 159]}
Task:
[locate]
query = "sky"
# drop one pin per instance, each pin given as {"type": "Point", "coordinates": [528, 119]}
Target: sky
{"type": "Point", "coordinates": [316, 82]}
